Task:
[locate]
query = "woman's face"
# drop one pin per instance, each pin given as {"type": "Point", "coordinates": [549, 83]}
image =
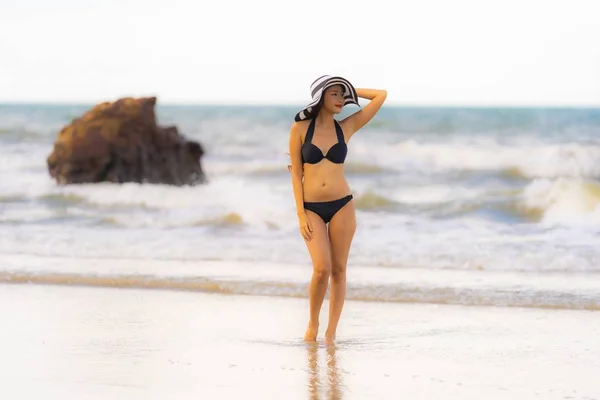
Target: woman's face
{"type": "Point", "coordinates": [333, 99]}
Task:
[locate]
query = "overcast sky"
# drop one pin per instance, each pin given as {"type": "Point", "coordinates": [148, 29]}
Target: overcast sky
{"type": "Point", "coordinates": [459, 52]}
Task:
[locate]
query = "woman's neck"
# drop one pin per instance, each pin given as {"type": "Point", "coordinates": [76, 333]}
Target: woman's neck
{"type": "Point", "coordinates": [325, 118]}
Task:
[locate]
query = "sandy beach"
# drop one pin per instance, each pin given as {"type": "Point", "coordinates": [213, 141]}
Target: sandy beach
{"type": "Point", "coordinates": [60, 341]}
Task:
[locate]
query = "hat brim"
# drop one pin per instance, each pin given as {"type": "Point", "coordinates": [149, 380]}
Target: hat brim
{"type": "Point", "coordinates": [350, 96]}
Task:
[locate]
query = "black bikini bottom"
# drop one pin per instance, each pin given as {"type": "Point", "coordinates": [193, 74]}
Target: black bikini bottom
{"type": "Point", "coordinates": [327, 209]}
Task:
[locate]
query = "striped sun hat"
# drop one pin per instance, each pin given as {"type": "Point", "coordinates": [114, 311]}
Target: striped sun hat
{"type": "Point", "coordinates": [318, 87]}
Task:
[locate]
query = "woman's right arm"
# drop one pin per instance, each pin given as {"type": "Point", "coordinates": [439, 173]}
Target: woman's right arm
{"type": "Point", "coordinates": [295, 144]}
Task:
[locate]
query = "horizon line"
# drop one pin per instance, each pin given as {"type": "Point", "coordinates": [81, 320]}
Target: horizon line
{"type": "Point", "coordinates": [290, 104]}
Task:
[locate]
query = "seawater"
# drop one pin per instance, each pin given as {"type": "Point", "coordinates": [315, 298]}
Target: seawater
{"type": "Point", "coordinates": [456, 205]}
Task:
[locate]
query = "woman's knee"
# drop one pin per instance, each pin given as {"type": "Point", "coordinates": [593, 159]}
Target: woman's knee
{"type": "Point", "coordinates": [322, 270]}
{"type": "Point", "coordinates": [338, 271]}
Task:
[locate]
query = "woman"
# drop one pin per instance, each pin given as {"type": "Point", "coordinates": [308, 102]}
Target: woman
{"type": "Point", "coordinates": [323, 199]}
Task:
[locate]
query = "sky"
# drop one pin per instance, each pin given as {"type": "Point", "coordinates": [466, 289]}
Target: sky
{"type": "Point", "coordinates": [426, 52]}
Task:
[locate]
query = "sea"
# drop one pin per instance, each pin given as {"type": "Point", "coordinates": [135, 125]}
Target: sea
{"type": "Point", "coordinates": [455, 205]}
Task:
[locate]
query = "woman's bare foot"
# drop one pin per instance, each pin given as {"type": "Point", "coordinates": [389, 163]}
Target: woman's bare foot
{"type": "Point", "coordinates": [311, 333]}
{"type": "Point", "coordinates": [329, 337]}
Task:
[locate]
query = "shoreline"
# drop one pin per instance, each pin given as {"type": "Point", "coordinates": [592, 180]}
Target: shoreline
{"type": "Point", "coordinates": [224, 288]}
{"type": "Point", "coordinates": [369, 284]}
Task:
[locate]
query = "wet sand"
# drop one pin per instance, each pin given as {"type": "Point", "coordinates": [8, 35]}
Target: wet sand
{"type": "Point", "coordinates": [60, 342]}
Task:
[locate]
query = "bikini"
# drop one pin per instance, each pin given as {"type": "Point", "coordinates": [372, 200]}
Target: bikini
{"type": "Point", "coordinates": [311, 154]}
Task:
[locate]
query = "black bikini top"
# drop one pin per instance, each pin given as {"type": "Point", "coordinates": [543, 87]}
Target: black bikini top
{"type": "Point", "coordinates": [311, 154]}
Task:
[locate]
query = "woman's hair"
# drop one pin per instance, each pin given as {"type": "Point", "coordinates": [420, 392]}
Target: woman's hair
{"type": "Point", "coordinates": [315, 111]}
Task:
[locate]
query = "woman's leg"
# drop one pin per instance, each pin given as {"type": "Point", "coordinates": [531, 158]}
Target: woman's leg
{"type": "Point", "coordinates": [318, 248]}
{"type": "Point", "coordinates": [341, 232]}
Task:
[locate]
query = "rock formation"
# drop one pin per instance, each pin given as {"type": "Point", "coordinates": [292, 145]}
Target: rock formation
{"type": "Point", "coordinates": [121, 142]}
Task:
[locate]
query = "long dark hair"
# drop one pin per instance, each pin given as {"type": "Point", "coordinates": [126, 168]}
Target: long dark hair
{"type": "Point", "coordinates": [315, 111]}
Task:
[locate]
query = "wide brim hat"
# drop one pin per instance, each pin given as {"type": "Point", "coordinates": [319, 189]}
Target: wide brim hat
{"type": "Point", "coordinates": [316, 91]}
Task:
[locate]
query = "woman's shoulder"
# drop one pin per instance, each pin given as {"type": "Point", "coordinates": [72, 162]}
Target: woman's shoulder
{"type": "Point", "coordinates": [301, 124]}
{"type": "Point", "coordinates": [299, 127]}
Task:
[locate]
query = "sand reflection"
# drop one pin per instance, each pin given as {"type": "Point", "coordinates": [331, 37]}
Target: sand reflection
{"type": "Point", "coordinates": [333, 388]}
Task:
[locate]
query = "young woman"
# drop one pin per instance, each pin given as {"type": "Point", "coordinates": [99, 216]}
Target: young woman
{"type": "Point", "coordinates": [323, 198]}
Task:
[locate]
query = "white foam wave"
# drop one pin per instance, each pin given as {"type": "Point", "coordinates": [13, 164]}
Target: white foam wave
{"type": "Point", "coordinates": [434, 194]}
{"type": "Point", "coordinates": [563, 200]}
{"type": "Point", "coordinates": [224, 200]}
{"type": "Point", "coordinates": [16, 158]}
{"type": "Point", "coordinates": [397, 241]}
{"type": "Point", "coordinates": [527, 160]}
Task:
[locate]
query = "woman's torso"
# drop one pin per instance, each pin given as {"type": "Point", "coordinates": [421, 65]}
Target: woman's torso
{"type": "Point", "coordinates": [324, 180]}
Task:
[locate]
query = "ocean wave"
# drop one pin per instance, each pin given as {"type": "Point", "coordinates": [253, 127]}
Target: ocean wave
{"type": "Point", "coordinates": [231, 219]}
{"type": "Point", "coordinates": [111, 196]}
{"type": "Point", "coordinates": [371, 201]}
{"type": "Point", "coordinates": [265, 168]}
{"type": "Point", "coordinates": [227, 202]}
{"type": "Point", "coordinates": [561, 200]}
{"type": "Point", "coordinates": [241, 203]}
{"type": "Point", "coordinates": [392, 241]}
{"type": "Point", "coordinates": [62, 198]}
{"type": "Point", "coordinates": [21, 134]}
{"type": "Point", "coordinates": [13, 198]}
{"type": "Point", "coordinates": [513, 161]}
{"type": "Point", "coordinates": [566, 201]}
{"type": "Point", "coordinates": [506, 296]}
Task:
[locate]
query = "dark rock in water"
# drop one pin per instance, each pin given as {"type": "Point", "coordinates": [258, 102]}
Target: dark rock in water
{"type": "Point", "coordinates": [121, 142]}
